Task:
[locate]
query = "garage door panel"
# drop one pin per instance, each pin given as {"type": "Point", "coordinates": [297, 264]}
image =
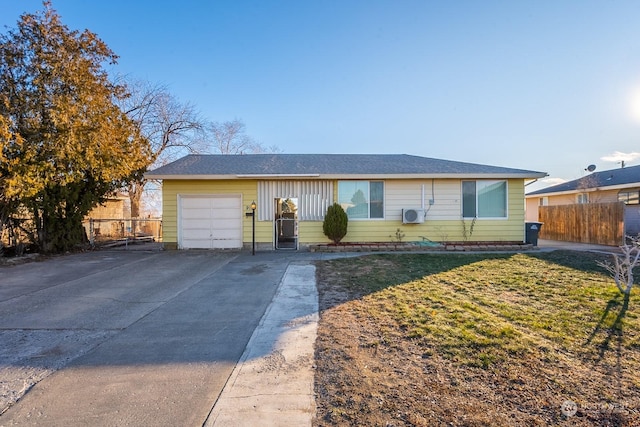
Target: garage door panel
{"type": "Point", "coordinates": [223, 244]}
{"type": "Point", "coordinates": [224, 224]}
{"type": "Point", "coordinates": [225, 235]}
{"type": "Point", "coordinates": [196, 233]}
{"type": "Point", "coordinates": [197, 223]}
{"type": "Point", "coordinates": [196, 202]}
{"type": "Point", "coordinates": [221, 214]}
{"type": "Point", "coordinates": [196, 244]}
{"type": "Point", "coordinates": [210, 222]}
{"type": "Point", "coordinates": [197, 214]}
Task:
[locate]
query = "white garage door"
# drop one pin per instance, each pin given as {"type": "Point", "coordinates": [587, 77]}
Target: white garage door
{"type": "Point", "coordinates": [210, 222]}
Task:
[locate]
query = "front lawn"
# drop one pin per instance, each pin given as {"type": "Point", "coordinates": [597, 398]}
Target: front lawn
{"type": "Point", "coordinates": [475, 340]}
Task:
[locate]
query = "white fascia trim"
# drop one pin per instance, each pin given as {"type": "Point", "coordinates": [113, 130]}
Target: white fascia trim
{"type": "Point", "coordinates": [188, 177]}
{"type": "Point", "coordinates": [433, 176]}
{"type": "Point", "coordinates": [280, 175]}
{"type": "Point", "coordinates": [352, 176]}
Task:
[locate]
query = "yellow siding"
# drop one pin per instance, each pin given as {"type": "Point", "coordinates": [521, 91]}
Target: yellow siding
{"type": "Point", "coordinates": [402, 194]}
{"type": "Point", "coordinates": [311, 232]}
{"type": "Point", "coordinates": [171, 190]}
{"type": "Point", "coordinates": [443, 220]}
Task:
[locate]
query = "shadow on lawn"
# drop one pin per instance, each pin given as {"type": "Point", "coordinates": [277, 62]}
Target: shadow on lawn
{"type": "Point", "coordinates": [350, 271]}
{"type": "Point", "coordinates": [579, 260]}
{"type": "Point", "coordinates": [614, 330]}
{"type": "Point", "coordinates": [616, 306]}
{"type": "Point", "coordinates": [346, 279]}
{"type": "Point", "coordinates": [613, 333]}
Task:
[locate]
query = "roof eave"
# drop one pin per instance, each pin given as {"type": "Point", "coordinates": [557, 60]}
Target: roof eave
{"type": "Point", "coordinates": [584, 190]}
{"type": "Point", "coordinates": [527, 175]}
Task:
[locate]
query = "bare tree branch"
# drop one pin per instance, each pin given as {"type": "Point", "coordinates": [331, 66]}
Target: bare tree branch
{"type": "Point", "coordinates": [230, 138]}
{"type": "Point", "coordinates": [622, 268]}
{"type": "Point", "coordinates": [172, 129]}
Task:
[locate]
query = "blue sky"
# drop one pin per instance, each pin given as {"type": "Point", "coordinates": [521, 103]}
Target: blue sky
{"type": "Point", "coordinates": [551, 86]}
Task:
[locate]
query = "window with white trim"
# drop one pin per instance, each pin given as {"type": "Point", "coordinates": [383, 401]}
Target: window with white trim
{"type": "Point", "coordinates": [582, 198]}
{"type": "Point", "coordinates": [484, 199]}
{"type": "Point", "coordinates": [362, 199]}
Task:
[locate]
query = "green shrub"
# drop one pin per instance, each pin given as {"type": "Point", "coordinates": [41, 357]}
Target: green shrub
{"type": "Point", "coordinates": [335, 223]}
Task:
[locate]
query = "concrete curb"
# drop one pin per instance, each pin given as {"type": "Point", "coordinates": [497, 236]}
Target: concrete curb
{"type": "Point", "coordinates": [273, 383]}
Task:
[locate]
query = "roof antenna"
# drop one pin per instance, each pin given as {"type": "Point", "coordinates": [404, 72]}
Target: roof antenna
{"type": "Point", "coordinates": [591, 168]}
{"type": "Point", "coordinates": [622, 163]}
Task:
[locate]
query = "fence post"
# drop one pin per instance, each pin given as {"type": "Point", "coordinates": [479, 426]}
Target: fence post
{"type": "Point", "coordinates": [92, 240]}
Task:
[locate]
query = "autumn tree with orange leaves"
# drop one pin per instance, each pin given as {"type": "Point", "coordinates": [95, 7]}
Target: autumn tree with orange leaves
{"type": "Point", "coordinates": [65, 144]}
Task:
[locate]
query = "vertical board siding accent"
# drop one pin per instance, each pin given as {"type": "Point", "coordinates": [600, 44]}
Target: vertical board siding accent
{"type": "Point", "coordinates": [314, 197]}
{"type": "Point", "coordinates": [597, 223]}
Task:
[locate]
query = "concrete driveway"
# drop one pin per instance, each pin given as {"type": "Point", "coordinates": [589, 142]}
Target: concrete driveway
{"type": "Point", "coordinates": [145, 338]}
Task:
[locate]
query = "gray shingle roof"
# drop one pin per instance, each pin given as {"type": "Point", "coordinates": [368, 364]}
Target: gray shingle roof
{"type": "Point", "coordinates": [211, 165]}
{"type": "Point", "coordinates": [609, 178]}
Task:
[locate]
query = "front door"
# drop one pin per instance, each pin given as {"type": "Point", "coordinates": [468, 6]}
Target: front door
{"type": "Point", "coordinates": [286, 223]}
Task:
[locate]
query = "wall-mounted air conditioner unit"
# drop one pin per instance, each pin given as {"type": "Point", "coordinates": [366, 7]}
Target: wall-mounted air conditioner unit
{"type": "Point", "coordinates": [412, 216]}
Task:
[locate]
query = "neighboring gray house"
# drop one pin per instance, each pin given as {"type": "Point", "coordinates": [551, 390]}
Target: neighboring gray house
{"type": "Point", "coordinates": [615, 185]}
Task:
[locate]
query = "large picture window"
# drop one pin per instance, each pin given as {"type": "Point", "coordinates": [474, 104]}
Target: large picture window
{"type": "Point", "coordinates": [362, 199]}
{"type": "Point", "coordinates": [484, 199]}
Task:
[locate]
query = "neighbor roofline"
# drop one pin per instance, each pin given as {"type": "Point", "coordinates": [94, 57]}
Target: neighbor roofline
{"type": "Point", "coordinates": [585, 190]}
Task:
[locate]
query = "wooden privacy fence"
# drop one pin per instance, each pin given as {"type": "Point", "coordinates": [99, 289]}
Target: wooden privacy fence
{"type": "Point", "coordinates": [597, 223]}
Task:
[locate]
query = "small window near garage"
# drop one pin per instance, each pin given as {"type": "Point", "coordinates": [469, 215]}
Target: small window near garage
{"type": "Point", "coordinates": [362, 199]}
{"type": "Point", "coordinates": [484, 199]}
{"type": "Point", "coordinates": [544, 201]}
{"type": "Point", "coordinates": [582, 198]}
{"type": "Point", "coordinates": [629, 197]}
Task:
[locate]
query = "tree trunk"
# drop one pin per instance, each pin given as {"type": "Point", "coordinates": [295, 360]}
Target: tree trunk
{"type": "Point", "coordinates": [135, 196]}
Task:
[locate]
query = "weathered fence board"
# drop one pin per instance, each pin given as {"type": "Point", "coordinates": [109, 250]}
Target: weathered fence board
{"type": "Point", "coordinates": [597, 223]}
{"type": "Point", "coordinates": [104, 230]}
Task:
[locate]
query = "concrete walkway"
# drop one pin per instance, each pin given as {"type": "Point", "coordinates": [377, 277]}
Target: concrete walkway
{"type": "Point", "coordinates": [273, 383]}
{"type": "Point", "coordinates": [552, 245]}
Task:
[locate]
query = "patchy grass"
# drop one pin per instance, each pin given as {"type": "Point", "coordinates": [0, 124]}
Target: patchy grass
{"type": "Point", "coordinates": [475, 339]}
